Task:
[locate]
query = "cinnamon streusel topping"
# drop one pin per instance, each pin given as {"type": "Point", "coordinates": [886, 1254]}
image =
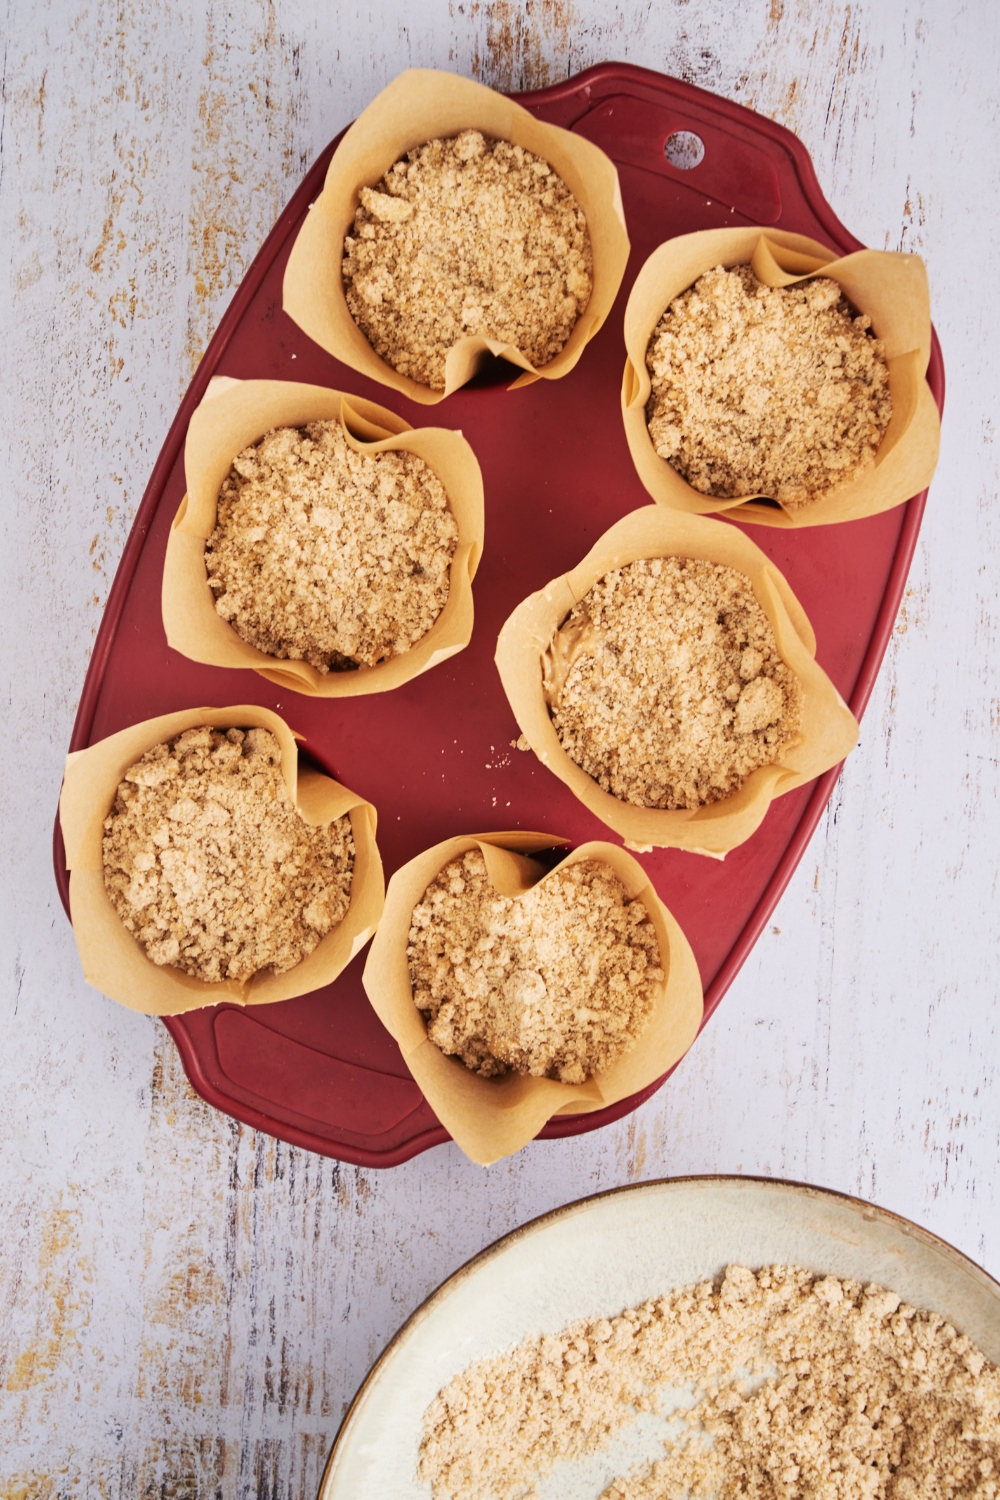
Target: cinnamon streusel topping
{"type": "Point", "coordinates": [666, 686]}
{"type": "Point", "coordinates": [558, 982]}
{"type": "Point", "coordinates": [803, 1386]}
{"type": "Point", "coordinates": [330, 556]}
{"type": "Point", "coordinates": [211, 867]}
{"type": "Point", "coordinates": [774, 391]}
{"type": "Point", "coordinates": [467, 235]}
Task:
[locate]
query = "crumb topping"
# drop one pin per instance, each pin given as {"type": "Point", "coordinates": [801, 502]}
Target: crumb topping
{"type": "Point", "coordinates": [466, 236]}
{"type": "Point", "coordinates": [665, 684]}
{"type": "Point", "coordinates": [557, 983]}
{"type": "Point", "coordinates": [803, 1386]}
{"type": "Point", "coordinates": [329, 556]}
{"type": "Point", "coordinates": [209, 864]}
{"type": "Point", "coordinates": [777, 391]}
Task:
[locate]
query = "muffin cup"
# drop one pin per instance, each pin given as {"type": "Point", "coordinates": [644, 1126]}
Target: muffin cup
{"type": "Point", "coordinates": [891, 288]}
{"type": "Point", "coordinates": [423, 105]}
{"type": "Point", "coordinates": [113, 960]}
{"type": "Point", "coordinates": [493, 1117]}
{"type": "Point", "coordinates": [235, 414]}
{"type": "Point", "coordinates": [828, 728]}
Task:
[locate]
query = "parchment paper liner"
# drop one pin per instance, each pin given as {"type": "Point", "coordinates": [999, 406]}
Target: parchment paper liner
{"type": "Point", "coordinates": [493, 1117]}
{"type": "Point", "coordinates": [828, 730]}
{"type": "Point", "coordinates": [235, 414]}
{"type": "Point", "coordinates": [891, 288]}
{"type": "Point", "coordinates": [113, 960]}
{"type": "Point", "coordinates": [423, 105]}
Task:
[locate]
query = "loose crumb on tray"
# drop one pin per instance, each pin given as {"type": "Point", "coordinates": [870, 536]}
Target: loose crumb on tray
{"type": "Point", "coordinates": [463, 236]}
{"type": "Point", "coordinates": [804, 1386]}
{"type": "Point", "coordinates": [774, 391]}
{"type": "Point", "coordinates": [558, 982]}
{"type": "Point", "coordinates": [209, 864]}
{"type": "Point", "coordinates": [330, 556]}
{"type": "Point", "coordinates": [665, 684]}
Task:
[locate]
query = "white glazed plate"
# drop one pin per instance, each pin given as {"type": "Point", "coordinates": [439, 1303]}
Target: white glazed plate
{"type": "Point", "coordinates": [600, 1255]}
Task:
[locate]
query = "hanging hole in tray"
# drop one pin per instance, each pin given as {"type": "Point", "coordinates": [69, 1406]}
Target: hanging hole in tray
{"type": "Point", "coordinates": [684, 150]}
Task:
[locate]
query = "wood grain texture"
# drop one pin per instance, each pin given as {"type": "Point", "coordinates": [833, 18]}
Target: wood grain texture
{"type": "Point", "coordinates": [186, 1306]}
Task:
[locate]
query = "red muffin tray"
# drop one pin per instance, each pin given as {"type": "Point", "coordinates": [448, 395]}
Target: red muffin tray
{"type": "Point", "coordinates": [435, 756]}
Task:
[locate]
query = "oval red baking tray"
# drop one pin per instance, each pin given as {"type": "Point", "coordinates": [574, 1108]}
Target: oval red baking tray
{"type": "Point", "coordinates": [435, 757]}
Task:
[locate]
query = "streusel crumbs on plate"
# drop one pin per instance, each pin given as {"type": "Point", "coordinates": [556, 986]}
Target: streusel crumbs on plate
{"type": "Point", "coordinates": [209, 864]}
{"type": "Point", "coordinates": [804, 1386]}
{"type": "Point", "coordinates": [327, 555]}
{"type": "Point", "coordinates": [558, 982]}
{"type": "Point", "coordinates": [774, 391]}
{"type": "Point", "coordinates": [666, 686]}
{"type": "Point", "coordinates": [467, 235]}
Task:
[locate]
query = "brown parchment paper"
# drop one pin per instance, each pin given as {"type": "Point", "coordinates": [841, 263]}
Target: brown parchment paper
{"type": "Point", "coordinates": [235, 414]}
{"type": "Point", "coordinates": [890, 287]}
{"type": "Point", "coordinates": [421, 105]}
{"type": "Point", "coordinates": [829, 730]}
{"type": "Point", "coordinates": [113, 960]}
{"type": "Point", "coordinates": [493, 1117]}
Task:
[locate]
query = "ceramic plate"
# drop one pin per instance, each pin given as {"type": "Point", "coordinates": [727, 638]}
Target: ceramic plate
{"type": "Point", "coordinates": [603, 1254]}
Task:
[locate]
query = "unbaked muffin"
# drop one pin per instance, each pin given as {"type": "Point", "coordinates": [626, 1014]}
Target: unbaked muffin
{"type": "Point", "coordinates": [775, 391]}
{"type": "Point", "coordinates": [211, 867]}
{"type": "Point", "coordinates": [666, 686]}
{"type": "Point", "coordinates": [326, 555]}
{"type": "Point", "coordinates": [558, 982]}
{"type": "Point", "coordinates": [467, 235]}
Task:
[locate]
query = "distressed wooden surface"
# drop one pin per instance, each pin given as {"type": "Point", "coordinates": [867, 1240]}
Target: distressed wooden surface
{"type": "Point", "coordinates": [186, 1306]}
